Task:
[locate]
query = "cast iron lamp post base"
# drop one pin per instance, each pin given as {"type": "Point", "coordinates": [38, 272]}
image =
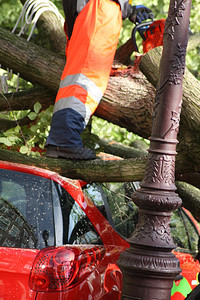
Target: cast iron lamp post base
{"type": "Point", "coordinates": [149, 266]}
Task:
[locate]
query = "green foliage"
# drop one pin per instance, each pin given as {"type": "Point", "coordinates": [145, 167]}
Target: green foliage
{"type": "Point", "coordinates": [10, 137]}
{"type": "Point", "coordinates": [36, 133]}
{"type": "Point", "coordinates": [107, 130]}
{"type": "Point", "coordinates": [193, 62]}
{"type": "Point", "coordinates": [10, 10]}
{"type": "Point", "coordinates": [195, 17]}
{"type": "Point", "coordinates": [28, 139]}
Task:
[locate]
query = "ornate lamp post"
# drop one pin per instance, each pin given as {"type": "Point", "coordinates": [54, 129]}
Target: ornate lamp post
{"type": "Point", "coordinates": [149, 266]}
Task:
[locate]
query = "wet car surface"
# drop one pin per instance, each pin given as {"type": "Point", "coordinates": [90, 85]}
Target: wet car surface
{"type": "Point", "coordinates": [61, 238]}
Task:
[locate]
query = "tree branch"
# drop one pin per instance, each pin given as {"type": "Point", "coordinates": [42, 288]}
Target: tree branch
{"type": "Point", "coordinates": [91, 171]}
{"type": "Point", "coordinates": [6, 124]}
{"type": "Point", "coordinates": [190, 197]}
{"type": "Point", "coordinates": [34, 63]}
{"type": "Point", "coordinates": [121, 150]}
{"type": "Point", "coordinates": [124, 170]}
{"type": "Point", "coordinates": [24, 100]}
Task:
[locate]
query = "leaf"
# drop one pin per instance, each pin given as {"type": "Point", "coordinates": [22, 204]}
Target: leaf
{"type": "Point", "coordinates": [5, 141]}
{"type": "Point", "coordinates": [12, 131]}
{"type": "Point", "coordinates": [17, 129]}
{"type": "Point", "coordinates": [9, 132]}
{"type": "Point", "coordinates": [13, 139]}
{"type": "Point", "coordinates": [32, 116]}
{"type": "Point", "coordinates": [34, 128]}
{"type": "Point", "coordinates": [23, 149]}
{"type": "Point", "coordinates": [37, 106]}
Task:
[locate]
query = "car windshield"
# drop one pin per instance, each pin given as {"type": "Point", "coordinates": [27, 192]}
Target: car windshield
{"type": "Point", "coordinates": [122, 213]}
{"type": "Point", "coordinates": [25, 210]}
{"type": "Point", "coordinates": [36, 212]}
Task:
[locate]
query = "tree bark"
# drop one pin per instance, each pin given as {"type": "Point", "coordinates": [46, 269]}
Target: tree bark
{"type": "Point", "coordinates": [90, 171]}
{"type": "Point", "coordinates": [34, 63]}
{"type": "Point", "coordinates": [121, 150]}
{"type": "Point", "coordinates": [26, 99]}
{"type": "Point", "coordinates": [124, 52]}
{"type": "Point", "coordinates": [190, 197]}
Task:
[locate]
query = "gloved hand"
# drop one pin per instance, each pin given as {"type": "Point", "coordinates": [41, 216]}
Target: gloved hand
{"type": "Point", "coordinates": [140, 13]}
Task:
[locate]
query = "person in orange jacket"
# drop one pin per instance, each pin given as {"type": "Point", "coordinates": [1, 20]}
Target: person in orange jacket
{"type": "Point", "coordinates": [92, 29]}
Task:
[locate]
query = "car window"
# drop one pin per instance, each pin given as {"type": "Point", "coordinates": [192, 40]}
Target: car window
{"type": "Point", "coordinates": [114, 200]}
{"type": "Point", "coordinates": [72, 226]}
{"type": "Point", "coordinates": [122, 213]}
{"type": "Point", "coordinates": [25, 210]}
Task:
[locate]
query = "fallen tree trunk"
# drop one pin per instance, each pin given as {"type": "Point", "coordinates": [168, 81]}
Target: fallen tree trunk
{"type": "Point", "coordinates": [129, 88]}
{"type": "Point", "coordinates": [124, 170]}
{"type": "Point", "coordinates": [91, 171]}
{"type": "Point", "coordinates": [128, 101]}
{"type": "Point", "coordinates": [34, 63]}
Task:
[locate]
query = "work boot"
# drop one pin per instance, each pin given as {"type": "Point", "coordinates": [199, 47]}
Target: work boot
{"type": "Point", "coordinates": [70, 153]}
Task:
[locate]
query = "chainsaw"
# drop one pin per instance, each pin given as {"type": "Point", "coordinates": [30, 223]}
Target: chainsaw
{"type": "Point", "coordinates": [151, 33]}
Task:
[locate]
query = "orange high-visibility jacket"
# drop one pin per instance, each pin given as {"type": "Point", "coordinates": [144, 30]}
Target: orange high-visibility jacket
{"type": "Point", "coordinates": [92, 36]}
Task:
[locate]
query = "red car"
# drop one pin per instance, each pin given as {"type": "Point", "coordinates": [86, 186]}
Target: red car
{"type": "Point", "coordinates": [61, 238]}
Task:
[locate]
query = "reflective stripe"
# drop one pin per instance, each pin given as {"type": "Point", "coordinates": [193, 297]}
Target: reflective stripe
{"type": "Point", "coordinates": [79, 93]}
{"type": "Point", "coordinates": [76, 104]}
{"type": "Point", "coordinates": [72, 90]}
{"type": "Point", "coordinates": [84, 82]}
